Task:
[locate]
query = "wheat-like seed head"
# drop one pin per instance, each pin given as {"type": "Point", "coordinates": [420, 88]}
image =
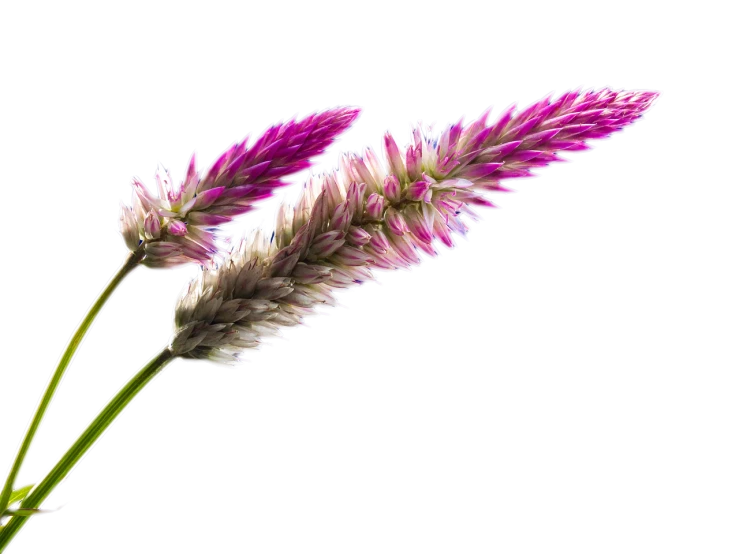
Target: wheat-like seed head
{"type": "Point", "coordinates": [363, 216]}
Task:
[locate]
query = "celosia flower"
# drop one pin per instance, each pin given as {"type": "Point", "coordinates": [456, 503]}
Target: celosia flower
{"type": "Point", "coordinates": [369, 216]}
{"type": "Point", "coordinates": [361, 217]}
{"type": "Point", "coordinates": [176, 226]}
{"type": "Point", "coordinates": [428, 183]}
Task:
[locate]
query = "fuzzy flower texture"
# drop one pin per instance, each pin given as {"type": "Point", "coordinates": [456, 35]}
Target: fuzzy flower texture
{"type": "Point", "coordinates": [371, 215]}
{"type": "Point", "coordinates": [178, 226]}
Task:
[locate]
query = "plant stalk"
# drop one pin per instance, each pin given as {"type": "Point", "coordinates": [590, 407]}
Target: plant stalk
{"type": "Point", "coordinates": [132, 261]}
{"type": "Point", "coordinates": [83, 443]}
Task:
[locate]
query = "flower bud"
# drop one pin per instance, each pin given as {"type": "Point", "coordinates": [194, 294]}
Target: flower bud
{"type": "Point", "coordinates": [391, 187]}
{"type": "Point", "coordinates": [356, 236]}
{"type": "Point", "coordinates": [177, 228]}
{"type": "Point", "coordinates": [395, 221]}
{"type": "Point", "coordinates": [152, 226]}
{"type": "Point", "coordinates": [419, 190]}
{"type": "Point", "coordinates": [375, 205]}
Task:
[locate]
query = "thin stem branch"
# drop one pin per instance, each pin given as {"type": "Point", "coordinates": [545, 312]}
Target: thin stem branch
{"type": "Point", "coordinates": [83, 443]}
{"type": "Point", "coordinates": [132, 261]}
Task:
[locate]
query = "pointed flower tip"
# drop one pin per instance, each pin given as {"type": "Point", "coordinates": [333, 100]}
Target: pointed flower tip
{"type": "Point", "coordinates": [655, 96]}
{"type": "Point", "coordinates": [353, 111]}
{"type": "Point", "coordinates": [485, 115]}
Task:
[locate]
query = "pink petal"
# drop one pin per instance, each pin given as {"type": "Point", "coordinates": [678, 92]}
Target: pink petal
{"type": "Point", "coordinates": [521, 130]}
{"type": "Point", "coordinates": [162, 249]}
{"type": "Point", "coordinates": [164, 183]}
{"type": "Point", "coordinates": [356, 236]}
{"type": "Point", "coordinates": [478, 139]}
{"type": "Point", "coordinates": [393, 157]}
{"type": "Point", "coordinates": [569, 131]}
{"type": "Point", "coordinates": [379, 242]}
{"type": "Point", "coordinates": [189, 185]}
{"type": "Point", "coordinates": [391, 188]}
{"type": "Point", "coordinates": [253, 172]}
{"type": "Point", "coordinates": [442, 232]}
{"type": "Point", "coordinates": [541, 137]}
{"type": "Point", "coordinates": [210, 178]}
{"type": "Point", "coordinates": [477, 200]}
{"type": "Point", "coordinates": [476, 126]}
{"type": "Point", "coordinates": [413, 161]}
{"type": "Point", "coordinates": [355, 196]}
{"type": "Point", "coordinates": [177, 228]}
{"type": "Point", "coordinates": [403, 247]}
{"type": "Point", "coordinates": [202, 218]}
{"type": "Point", "coordinates": [417, 225]}
{"type": "Point", "coordinates": [152, 225]}
{"type": "Point", "coordinates": [523, 155]}
{"type": "Point", "coordinates": [506, 172]}
{"type": "Point", "coordinates": [495, 188]}
{"type": "Point", "coordinates": [395, 221]}
{"type": "Point", "coordinates": [206, 198]}
{"type": "Point", "coordinates": [341, 217]}
{"type": "Point", "coordinates": [237, 208]}
{"type": "Point", "coordinates": [417, 191]}
{"type": "Point", "coordinates": [571, 145]}
{"type": "Point", "coordinates": [327, 238]}
{"type": "Point", "coordinates": [455, 132]}
{"type": "Point", "coordinates": [426, 247]}
{"type": "Point", "coordinates": [478, 171]}
{"type": "Point", "coordinates": [347, 255]}
{"type": "Point", "coordinates": [501, 122]}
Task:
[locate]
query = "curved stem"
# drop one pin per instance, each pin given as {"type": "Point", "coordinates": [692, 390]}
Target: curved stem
{"type": "Point", "coordinates": [132, 261]}
{"type": "Point", "coordinates": [83, 443]}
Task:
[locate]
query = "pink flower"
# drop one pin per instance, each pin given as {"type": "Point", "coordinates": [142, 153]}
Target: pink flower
{"type": "Point", "coordinates": [367, 216]}
{"type": "Point", "coordinates": [519, 142]}
{"type": "Point", "coordinates": [183, 217]}
{"type": "Point", "coordinates": [436, 178]}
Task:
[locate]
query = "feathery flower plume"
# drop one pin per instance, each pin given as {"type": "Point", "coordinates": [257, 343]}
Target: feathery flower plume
{"type": "Point", "coordinates": [427, 184]}
{"type": "Point", "coordinates": [368, 216]}
{"type": "Point", "coordinates": [176, 226]}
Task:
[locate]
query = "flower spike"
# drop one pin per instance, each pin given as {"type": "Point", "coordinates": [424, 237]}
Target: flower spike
{"type": "Point", "coordinates": [362, 217]}
{"type": "Point", "coordinates": [188, 217]}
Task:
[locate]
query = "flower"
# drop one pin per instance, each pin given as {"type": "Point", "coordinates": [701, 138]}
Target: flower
{"type": "Point", "coordinates": [176, 226]}
{"type": "Point", "coordinates": [429, 183]}
{"type": "Point", "coordinates": [366, 216]}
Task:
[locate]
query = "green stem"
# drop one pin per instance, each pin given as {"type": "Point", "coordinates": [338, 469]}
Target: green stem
{"type": "Point", "coordinates": [78, 449]}
{"type": "Point", "coordinates": [20, 493]}
{"type": "Point", "coordinates": [132, 261]}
